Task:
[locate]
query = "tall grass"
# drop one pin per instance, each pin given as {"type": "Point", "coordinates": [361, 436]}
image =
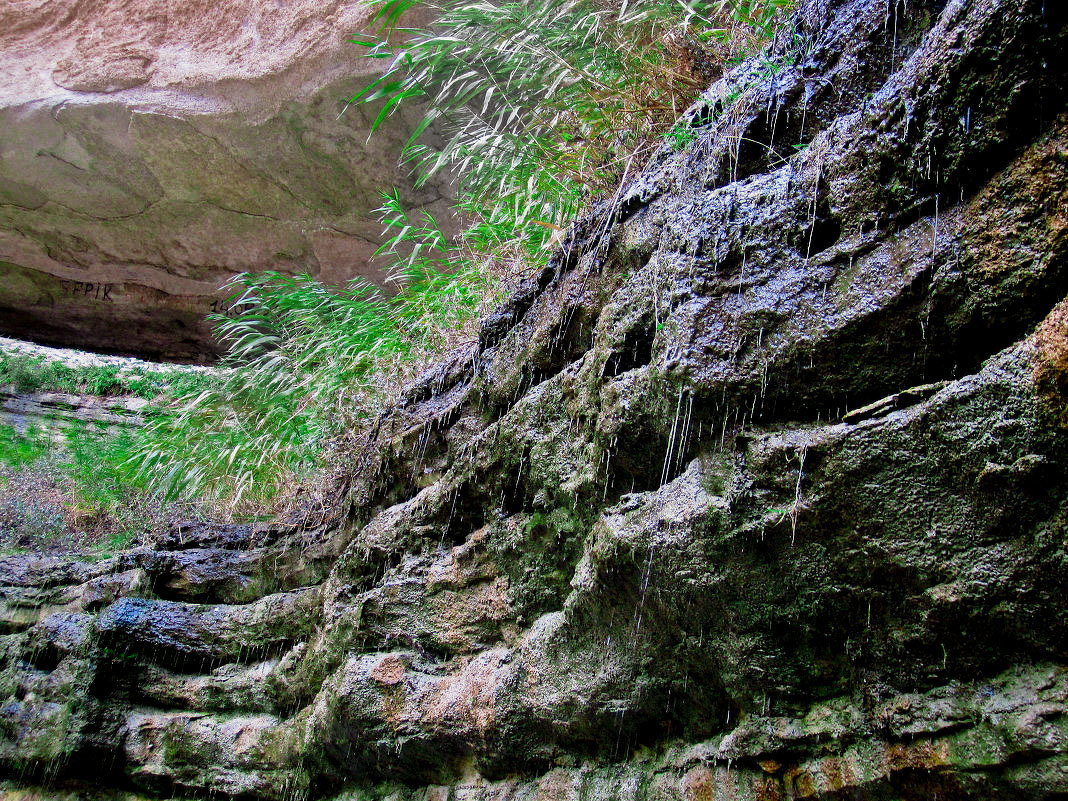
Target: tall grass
{"type": "Point", "coordinates": [309, 363]}
{"type": "Point", "coordinates": [67, 488]}
{"type": "Point", "coordinates": [540, 107]}
{"type": "Point", "coordinates": [544, 103]}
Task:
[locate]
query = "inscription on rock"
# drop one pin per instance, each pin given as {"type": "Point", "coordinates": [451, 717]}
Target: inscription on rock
{"type": "Point", "coordinates": [87, 289]}
{"type": "Point", "coordinates": [223, 308]}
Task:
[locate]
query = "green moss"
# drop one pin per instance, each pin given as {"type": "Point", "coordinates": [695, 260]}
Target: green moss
{"type": "Point", "coordinates": [717, 468]}
{"type": "Point", "coordinates": [48, 739]}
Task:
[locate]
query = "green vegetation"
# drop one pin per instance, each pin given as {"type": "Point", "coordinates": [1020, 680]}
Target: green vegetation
{"type": "Point", "coordinates": [546, 105]}
{"type": "Point", "coordinates": [27, 373]}
{"type": "Point", "coordinates": [95, 460]}
{"type": "Point", "coordinates": [681, 136]}
{"type": "Point", "coordinates": [540, 109]}
{"type": "Point", "coordinates": [71, 484]}
{"type": "Point", "coordinates": [72, 488]}
{"type": "Point", "coordinates": [312, 363]}
{"type": "Point", "coordinates": [19, 448]}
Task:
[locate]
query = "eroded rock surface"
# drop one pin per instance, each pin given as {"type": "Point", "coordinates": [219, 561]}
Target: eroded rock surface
{"type": "Point", "coordinates": [149, 150]}
{"type": "Point", "coordinates": [758, 491]}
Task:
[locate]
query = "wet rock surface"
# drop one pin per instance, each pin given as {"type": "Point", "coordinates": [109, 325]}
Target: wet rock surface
{"type": "Point", "coordinates": [149, 150]}
{"type": "Point", "coordinates": [757, 492]}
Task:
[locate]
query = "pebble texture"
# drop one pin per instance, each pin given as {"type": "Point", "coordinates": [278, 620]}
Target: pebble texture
{"type": "Point", "coordinates": [757, 492]}
{"type": "Point", "coordinates": [151, 149]}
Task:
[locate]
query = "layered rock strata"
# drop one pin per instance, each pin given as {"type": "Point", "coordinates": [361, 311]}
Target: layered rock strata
{"type": "Point", "coordinates": [757, 491]}
{"type": "Point", "coordinates": [56, 412]}
{"type": "Point", "coordinates": [149, 150]}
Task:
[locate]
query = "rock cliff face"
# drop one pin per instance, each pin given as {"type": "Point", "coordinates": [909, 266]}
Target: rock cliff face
{"type": "Point", "coordinates": [151, 149]}
{"type": "Point", "coordinates": [758, 491]}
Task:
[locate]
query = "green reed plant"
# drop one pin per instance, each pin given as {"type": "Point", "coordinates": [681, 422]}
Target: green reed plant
{"type": "Point", "coordinates": [544, 103]}
{"type": "Point", "coordinates": [308, 363]}
{"type": "Point", "coordinates": [537, 107]}
{"type": "Point", "coordinates": [293, 345]}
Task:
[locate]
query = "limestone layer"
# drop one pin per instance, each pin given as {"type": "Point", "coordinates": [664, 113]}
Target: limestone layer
{"type": "Point", "coordinates": [150, 149]}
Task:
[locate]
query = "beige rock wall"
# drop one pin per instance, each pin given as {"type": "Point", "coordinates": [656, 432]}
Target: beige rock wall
{"type": "Point", "coordinates": [150, 149]}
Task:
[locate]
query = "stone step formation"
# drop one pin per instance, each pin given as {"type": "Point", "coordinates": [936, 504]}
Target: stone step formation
{"type": "Point", "coordinates": [629, 545]}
